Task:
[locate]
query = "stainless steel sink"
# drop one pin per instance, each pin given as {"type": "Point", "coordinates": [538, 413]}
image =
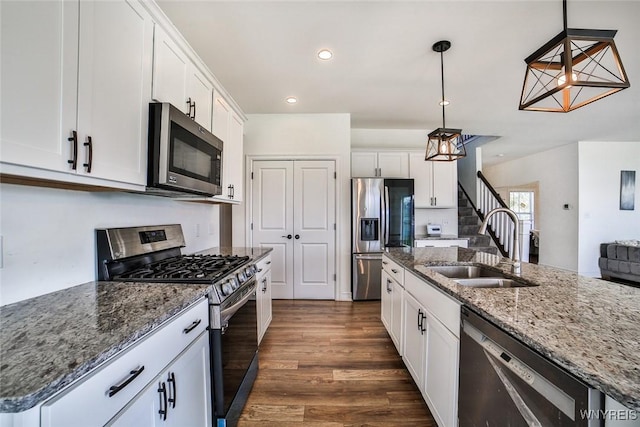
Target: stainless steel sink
{"type": "Point", "coordinates": [465, 271]}
{"type": "Point", "coordinates": [479, 277]}
{"type": "Point", "coordinates": [492, 282]}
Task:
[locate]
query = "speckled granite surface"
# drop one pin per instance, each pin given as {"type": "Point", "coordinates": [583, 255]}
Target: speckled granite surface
{"type": "Point", "coordinates": [588, 326]}
{"type": "Point", "coordinates": [49, 341]}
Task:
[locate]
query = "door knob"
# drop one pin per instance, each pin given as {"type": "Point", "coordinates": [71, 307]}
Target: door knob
{"type": "Point", "coordinates": [297, 236]}
{"type": "Point", "coordinates": [288, 236]}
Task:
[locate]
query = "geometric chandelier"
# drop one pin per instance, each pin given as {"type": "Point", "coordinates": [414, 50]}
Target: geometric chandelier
{"type": "Point", "coordinates": [444, 144]}
{"type": "Point", "coordinates": [575, 68]}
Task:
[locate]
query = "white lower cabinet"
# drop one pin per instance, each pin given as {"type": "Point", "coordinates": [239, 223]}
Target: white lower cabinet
{"type": "Point", "coordinates": [181, 347]}
{"type": "Point", "coordinates": [427, 322]}
{"type": "Point", "coordinates": [441, 379]}
{"type": "Point", "coordinates": [263, 296]}
{"type": "Point", "coordinates": [391, 308]}
{"type": "Point", "coordinates": [414, 351]}
{"type": "Point", "coordinates": [180, 396]}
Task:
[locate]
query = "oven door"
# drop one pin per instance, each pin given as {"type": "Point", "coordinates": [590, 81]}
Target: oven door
{"type": "Point", "coordinates": [235, 348]}
{"type": "Point", "coordinates": [183, 154]}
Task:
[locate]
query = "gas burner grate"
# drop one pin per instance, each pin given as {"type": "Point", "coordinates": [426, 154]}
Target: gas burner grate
{"type": "Point", "coordinates": [186, 268]}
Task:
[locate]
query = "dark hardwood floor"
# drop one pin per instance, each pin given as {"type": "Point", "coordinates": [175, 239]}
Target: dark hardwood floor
{"type": "Point", "coordinates": [327, 363]}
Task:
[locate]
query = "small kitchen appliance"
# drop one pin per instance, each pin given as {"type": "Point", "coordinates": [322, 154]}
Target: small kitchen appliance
{"type": "Point", "coordinates": [183, 156]}
{"type": "Point", "coordinates": [153, 254]}
{"type": "Point", "coordinates": [434, 230]}
{"type": "Point", "coordinates": [382, 217]}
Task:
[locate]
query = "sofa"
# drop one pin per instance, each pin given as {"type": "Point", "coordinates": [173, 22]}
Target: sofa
{"type": "Point", "coordinates": [620, 260]}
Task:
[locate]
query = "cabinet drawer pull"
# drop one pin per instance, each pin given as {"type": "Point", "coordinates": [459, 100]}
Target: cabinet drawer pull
{"type": "Point", "coordinates": [74, 154]}
{"type": "Point", "coordinates": [394, 271]}
{"type": "Point", "coordinates": [259, 270]}
{"type": "Point", "coordinates": [191, 327]}
{"type": "Point", "coordinates": [132, 376]}
{"type": "Point", "coordinates": [385, 262]}
{"type": "Point", "coordinates": [162, 391]}
{"type": "Point", "coordinates": [268, 262]}
{"type": "Point", "coordinates": [172, 389]}
{"type": "Point", "coordinates": [89, 144]}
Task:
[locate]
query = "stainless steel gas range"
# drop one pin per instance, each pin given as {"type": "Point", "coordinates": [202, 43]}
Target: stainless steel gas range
{"type": "Point", "coordinates": [153, 254]}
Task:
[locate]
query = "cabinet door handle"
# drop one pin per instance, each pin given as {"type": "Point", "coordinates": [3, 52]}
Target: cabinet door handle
{"type": "Point", "coordinates": [421, 319]}
{"type": "Point", "coordinates": [233, 191]}
{"type": "Point", "coordinates": [74, 153]}
{"type": "Point", "coordinates": [162, 391]}
{"type": "Point", "coordinates": [132, 376]}
{"type": "Point", "coordinates": [89, 144]}
{"type": "Point", "coordinates": [264, 285]}
{"type": "Point", "coordinates": [288, 236]}
{"type": "Point", "coordinates": [194, 110]}
{"type": "Point", "coordinates": [297, 236]}
{"type": "Point", "coordinates": [190, 107]}
{"type": "Point", "coordinates": [191, 327]}
{"type": "Point", "coordinates": [388, 287]}
{"type": "Point", "coordinates": [171, 380]}
{"type": "Point", "coordinates": [435, 201]}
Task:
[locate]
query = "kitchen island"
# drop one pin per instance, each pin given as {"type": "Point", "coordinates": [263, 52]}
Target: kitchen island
{"type": "Point", "coordinates": [50, 341]}
{"type": "Point", "coordinates": [589, 327]}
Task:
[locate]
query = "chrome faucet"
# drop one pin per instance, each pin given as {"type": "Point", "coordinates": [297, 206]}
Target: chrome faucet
{"type": "Point", "coordinates": [515, 256]}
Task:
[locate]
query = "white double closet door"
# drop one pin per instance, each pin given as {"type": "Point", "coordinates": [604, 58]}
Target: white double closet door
{"type": "Point", "coordinates": [293, 212]}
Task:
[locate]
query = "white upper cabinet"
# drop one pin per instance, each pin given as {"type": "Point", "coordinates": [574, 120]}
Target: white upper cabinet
{"type": "Point", "coordinates": [435, 183]}
{"type": "Point", "coordinates": [229, 127]}
{"type": "Point", "coordinates": [114, 82]}
{"type": "Point", "coordinates": [387, 164]}
{"type": "Point", "coordinates": [39, 78]}
{"type": "Point", "coordinates": [176, 80]}
{"type": "Point", "coordinates": [76, 68]}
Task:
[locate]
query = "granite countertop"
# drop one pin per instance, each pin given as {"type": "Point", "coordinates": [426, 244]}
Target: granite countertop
{"type": "Point", "coordinates": [589, 327]}
{"type": "Point", "coordinates": [441, 237]}
{"type": "Point", "coordinates": [51, 340]}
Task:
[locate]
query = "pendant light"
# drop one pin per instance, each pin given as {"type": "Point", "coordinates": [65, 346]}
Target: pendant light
{"type": "Point", "coordinates": [444, 144]}
{"type": "Point", "coordinates": [573, 69]}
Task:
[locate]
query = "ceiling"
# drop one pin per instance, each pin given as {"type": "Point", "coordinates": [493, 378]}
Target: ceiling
{"type": "Point", "coordinates": [385, 74]}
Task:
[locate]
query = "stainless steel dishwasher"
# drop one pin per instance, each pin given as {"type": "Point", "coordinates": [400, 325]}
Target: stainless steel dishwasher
{"type": "Point", "coordinates": [504, 383]}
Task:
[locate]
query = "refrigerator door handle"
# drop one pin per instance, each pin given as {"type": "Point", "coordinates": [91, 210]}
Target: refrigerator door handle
{"type": "Point", "coordinates": [386, 215]}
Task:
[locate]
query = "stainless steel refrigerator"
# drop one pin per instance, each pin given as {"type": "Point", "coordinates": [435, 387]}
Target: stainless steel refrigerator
{"type": "Point", "coordinates": [382, 217]}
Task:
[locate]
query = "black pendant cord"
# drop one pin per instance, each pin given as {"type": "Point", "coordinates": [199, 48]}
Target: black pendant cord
{"type": "Point", "coordinates": [564, 14]}
{"type": "Point", "coordinates": [442, 79]}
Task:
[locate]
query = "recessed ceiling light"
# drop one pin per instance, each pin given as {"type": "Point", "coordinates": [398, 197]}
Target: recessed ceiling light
{"type": "Point", "coordinates": [501, 155]}
{"type": "Point", "coordinates": [291, 100]}
{"type": "Point", "coordinates": [444, 103]}
{"type": "Point", "coordinates": [325, 54]}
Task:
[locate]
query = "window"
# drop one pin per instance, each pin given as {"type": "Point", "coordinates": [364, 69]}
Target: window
{"type": "Point", "coordinates": [522, 203]}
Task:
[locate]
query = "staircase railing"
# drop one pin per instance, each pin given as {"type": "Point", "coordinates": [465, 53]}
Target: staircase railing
{"type": "Point", "coordinates": [500, 226]}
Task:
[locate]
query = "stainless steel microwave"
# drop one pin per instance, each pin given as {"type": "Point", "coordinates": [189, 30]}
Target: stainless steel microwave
{"type": "Point", "coordinates": [183, 156]}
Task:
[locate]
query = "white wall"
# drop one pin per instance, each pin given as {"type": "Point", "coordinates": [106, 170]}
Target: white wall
{"type": "Point", "coordinates": [556, 171]}
{"type": "Point", "coordinates": [389, 139]}
{"type": "Point", "coordinates": [49, 234]}
{"type": "Point", "coordinates": [600, 218]}
{"type": "Point", "coordinates": [288, 136]}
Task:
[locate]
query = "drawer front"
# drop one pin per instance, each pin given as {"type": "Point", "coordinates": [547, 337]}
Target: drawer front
{"type": "Point", "coordinates": [86, 402]}
{"type": "Point", "coordinates": [263, 266]}
{"type": "Point", "coordinates": [444, 308]}
{"type": "Point", "coordinates": [395, 270]}
{"type": "Point", "coordinates": [441, 243]}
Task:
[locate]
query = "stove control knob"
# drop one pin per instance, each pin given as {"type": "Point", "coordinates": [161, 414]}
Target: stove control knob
{"type": "Point", "coordinates": [235, 283]}
{"type": "Point", "coordinates": [227, 288]}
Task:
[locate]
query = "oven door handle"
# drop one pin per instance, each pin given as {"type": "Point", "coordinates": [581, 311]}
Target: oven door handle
{"type": "Point", "coordinates": [228, 312]}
